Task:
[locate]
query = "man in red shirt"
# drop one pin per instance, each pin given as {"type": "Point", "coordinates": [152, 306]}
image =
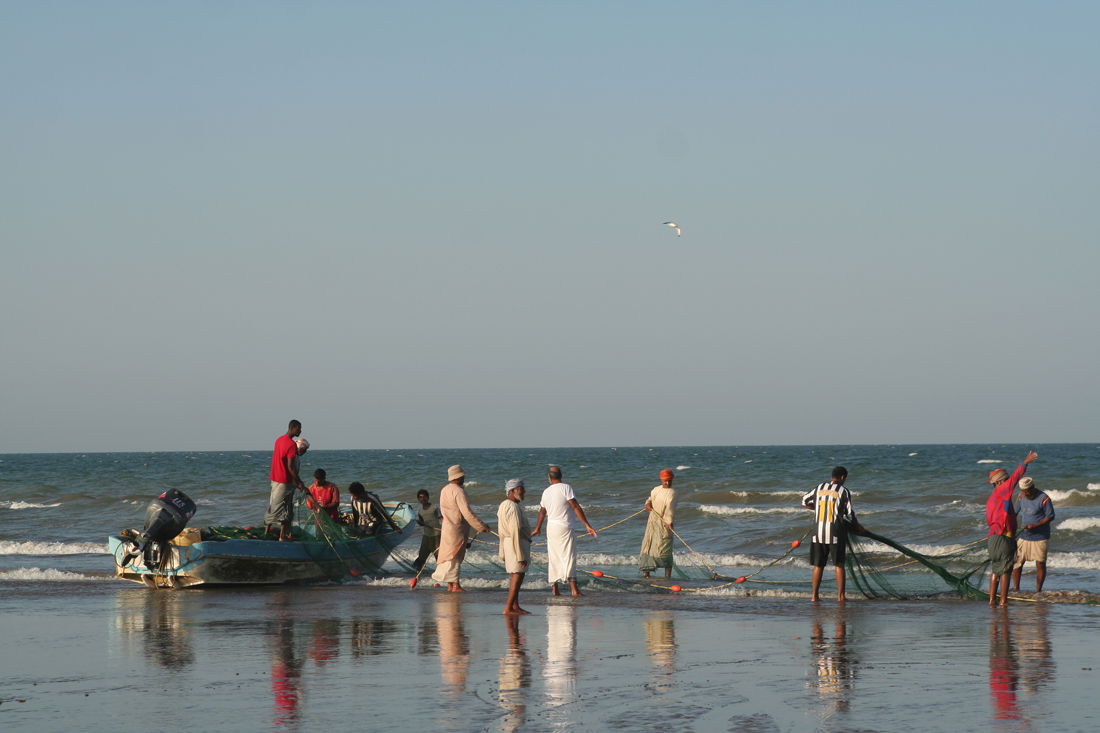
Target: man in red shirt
{"type": "Point", "coordinates": [325, 494]}
{"type": "Point", "coordinates": [284, 479]}
{"type": "Point", "coordinates": [1001, 518]}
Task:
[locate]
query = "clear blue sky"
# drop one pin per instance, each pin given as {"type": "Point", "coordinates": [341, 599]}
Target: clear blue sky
{"type": "Point", "coordinates": [438, 224]}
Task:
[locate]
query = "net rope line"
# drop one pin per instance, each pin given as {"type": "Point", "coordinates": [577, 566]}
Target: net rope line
{"type": "Point", "coordinates": [960, 583]}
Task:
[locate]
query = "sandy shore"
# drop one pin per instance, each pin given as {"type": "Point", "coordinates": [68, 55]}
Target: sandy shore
{"type": "Point", "coordinates": [99, 657]}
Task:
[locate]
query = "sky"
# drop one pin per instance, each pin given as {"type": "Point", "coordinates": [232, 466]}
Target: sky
{"type": "Point", "coordinates": [439, 224]}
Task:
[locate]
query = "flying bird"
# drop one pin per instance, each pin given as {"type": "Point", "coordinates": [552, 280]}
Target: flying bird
{"type": "Point", "coordinates": [674, 225]}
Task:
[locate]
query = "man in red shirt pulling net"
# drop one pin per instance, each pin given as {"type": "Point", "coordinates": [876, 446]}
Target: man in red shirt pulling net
{"type": "Point", "coordinates": [1001, 518]}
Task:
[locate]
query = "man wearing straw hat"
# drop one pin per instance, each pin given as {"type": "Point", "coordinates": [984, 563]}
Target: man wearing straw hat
{"type": "Point", "coordinates": [1000, 516]}
{"type": "Point", "coordinates": [1034, 513]}
{"type": "Point", "coordinates": [515, 541]}
{"type": "Point", "coordinates": [557, 500]}
{"type": "Point", "coordinates": [458, 518]}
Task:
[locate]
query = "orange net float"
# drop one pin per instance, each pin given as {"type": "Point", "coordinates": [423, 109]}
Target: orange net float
{"type": "Point", "coordinates": [742, 579]}
{"type": "Point", "coordinates": [596, 573]}
{"type": "Point", "coordinates": [795, 544]}
{"type": "Point", "coordinates": [675, 588]}
{"type": "Point", "coordinates": [353, 572]}
{"type": "Point", "coordinates": [412, 583]}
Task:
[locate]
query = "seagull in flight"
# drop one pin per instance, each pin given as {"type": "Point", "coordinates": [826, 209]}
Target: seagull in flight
{"type": "Point", "coordinates": [674, 225]}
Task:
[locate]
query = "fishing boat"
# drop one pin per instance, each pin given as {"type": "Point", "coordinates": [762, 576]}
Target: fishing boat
{"type": "Point", "coordinates": [320, 550]}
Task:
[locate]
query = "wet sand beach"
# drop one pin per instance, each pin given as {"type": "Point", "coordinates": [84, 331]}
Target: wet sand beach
{"type": "Point", "coordinates": [351, 657]}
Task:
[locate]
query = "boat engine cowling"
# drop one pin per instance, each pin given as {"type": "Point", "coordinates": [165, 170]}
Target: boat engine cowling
{"type": "Point", "coordinates": [166, 517]}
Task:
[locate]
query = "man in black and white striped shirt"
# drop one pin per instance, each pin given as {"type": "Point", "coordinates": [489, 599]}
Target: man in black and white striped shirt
{"type": "Point", "coordinates": [832, 506]}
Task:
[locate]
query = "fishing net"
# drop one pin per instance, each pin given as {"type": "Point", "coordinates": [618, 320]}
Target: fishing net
{"type": "Point", "coordinates": [879, 574]}
{"type": "Point", "coordinates": [338, 547]}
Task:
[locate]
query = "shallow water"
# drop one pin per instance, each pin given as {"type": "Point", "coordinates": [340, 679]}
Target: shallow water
{"type": "Point", "coordinates": [341, 657]}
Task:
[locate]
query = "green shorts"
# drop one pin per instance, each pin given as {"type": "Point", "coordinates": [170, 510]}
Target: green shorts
{"type": "Point", "coordinates": [1002, 553]}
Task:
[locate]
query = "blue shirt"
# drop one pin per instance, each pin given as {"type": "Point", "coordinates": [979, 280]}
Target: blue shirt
{"type": "Point", "coordinates": [1030, 511]}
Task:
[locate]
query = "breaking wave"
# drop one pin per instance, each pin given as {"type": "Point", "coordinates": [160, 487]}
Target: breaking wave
{"type": "Point", "coordinates": [51, 548]}
{"type": "Point", "coordinates": [40, 574]}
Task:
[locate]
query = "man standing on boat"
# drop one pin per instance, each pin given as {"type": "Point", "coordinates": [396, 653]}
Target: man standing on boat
{"type": "Point", "coordinates": [458, 518]}
{"type": "Point", "coordinates": [831, 503]}
{"type": "Point", "coordinates": [557, 500]}
{"type": "Point", "coordinates": [515, 541]}
{"type": "Point", "coordinates": [284, 479]}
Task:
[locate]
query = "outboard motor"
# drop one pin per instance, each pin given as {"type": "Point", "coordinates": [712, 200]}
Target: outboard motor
{"type": "Point", "coordinates": [165, 518]}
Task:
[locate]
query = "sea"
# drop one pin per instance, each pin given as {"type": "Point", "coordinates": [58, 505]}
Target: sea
{"type": "Point", "coordinates": [85, 650]}
{"type": "Point", "coordinates": [739, 506]}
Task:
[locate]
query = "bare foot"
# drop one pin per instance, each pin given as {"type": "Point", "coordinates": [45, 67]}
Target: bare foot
{"type": "Point", "coordinates": [815, 599]}
{"type": "Point", "coordinates": [554, 590]}
{"type": "Point", "coordinates": [522, 611]}
{"type": "Point", "coordinates": [457, 589]}
{"type": "Point", "coordinates": [576, 593]}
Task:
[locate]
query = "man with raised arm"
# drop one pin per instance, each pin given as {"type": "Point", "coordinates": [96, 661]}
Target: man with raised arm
{"type": "Point", "coordinates": [1000, 516]}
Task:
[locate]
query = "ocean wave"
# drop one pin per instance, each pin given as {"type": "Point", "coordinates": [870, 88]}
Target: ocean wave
{"type": "Point", "coordinates": [734, 510]}
{"type": "Point", "coordinates": [1079, 524]}
{"type": "Point", "coordinates": [40, 574]}
{"type": "Point", "coordinates": [1073, 560]}
{"type": "Point", "coordinates": [769, 493]}
{"type": "Point", "coordinates": [25, 505]}
{"type": "Point", "coordinates": [991, 460]}
{"type": "Point", "coordinates": [1070, 495]}
{"type": "Point", "coordinates": [682, 468]}
{"type": "Point", "coordinates": [51, 548]}
{"type": "Point", "coordinates": [1093, 487]}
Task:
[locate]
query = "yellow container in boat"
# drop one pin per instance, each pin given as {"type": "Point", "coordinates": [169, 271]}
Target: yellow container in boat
{"type": "Point", "coordinates": [189, 536]}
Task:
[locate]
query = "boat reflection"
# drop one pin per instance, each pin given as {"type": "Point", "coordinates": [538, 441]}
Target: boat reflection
{"type": "Point", "coordinates": [514, 678]}
{"type": "Point", "coordinates": [154, 621]}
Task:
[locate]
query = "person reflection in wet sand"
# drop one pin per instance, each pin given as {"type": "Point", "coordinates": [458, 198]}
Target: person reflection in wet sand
{"type": "Point", "coordinates": [1035, 653]}
{"type": "Point", "coordinates": [1004, 673]}
{"type": "Point", "coordinates": [324, 641]}
{"type": "Point", "coordinates": [560, 671]}
{"type": "Point", "coordinates": [833, 670]}
{"type": "Point", "coordinates": [515, 677]}
{"type": "Point", "coordinates": [454, 645]}
{"type": "Point", "coordinates": [286, 668]}
{"type": "Point", "coordinates": [660, 639]}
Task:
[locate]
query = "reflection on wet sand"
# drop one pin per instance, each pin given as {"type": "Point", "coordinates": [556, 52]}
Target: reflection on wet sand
{"type": "Point", "coordinates": [660, 638]}
{"type": "Point", "coordinates": [1035, 654]}
{"type": "Point", "coordinates": [454, 644]}
{"type": "Point", "coordinates": [833, 671]}
{"type": "Point", "coordinates": [514, 677]}
{"type": "Point", "coordinates": [560, 671]}
{"type": "Point", "coordinates": [373, 636]}
{"type": "Point", "coordinates": [1003, 673]}
{"type": "Point", "coordinates": [286, 667]}
{"type": "Point", "coordinates": [324, 641]}
{"type": "Point", "coordinates": [154, 622]}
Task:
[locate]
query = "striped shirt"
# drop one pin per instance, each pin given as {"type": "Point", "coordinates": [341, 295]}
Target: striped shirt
{"type": "Point", "coordinates": [832, 503]}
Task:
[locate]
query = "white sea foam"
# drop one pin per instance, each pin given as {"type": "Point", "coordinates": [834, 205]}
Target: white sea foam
{"type": "Point", "coordinates": [1079, 524]}
{"type": "Point", "coordinates": [991, 460]}
{"type": "Point", "coordinates": [25, 505]}
{"type": "Point", "coordinates": [682, 468]}
{"type": "Point", "coordinates": [769, 493]}
{"type": "Point", "coordinates": [732, 510]}
{"type": "Point", "coordinates": [51, 548]}
{"type": "Point", "coordinates": [1074, 560]}
{"type": "Point", "coordinates": [1093, 487]}
{"type": "Point", "coordinates": [1058, 495]}
{"type": "Point", "coordinates": [913, 454]}
{"type": "Point", "coordinates": [40, 574]}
